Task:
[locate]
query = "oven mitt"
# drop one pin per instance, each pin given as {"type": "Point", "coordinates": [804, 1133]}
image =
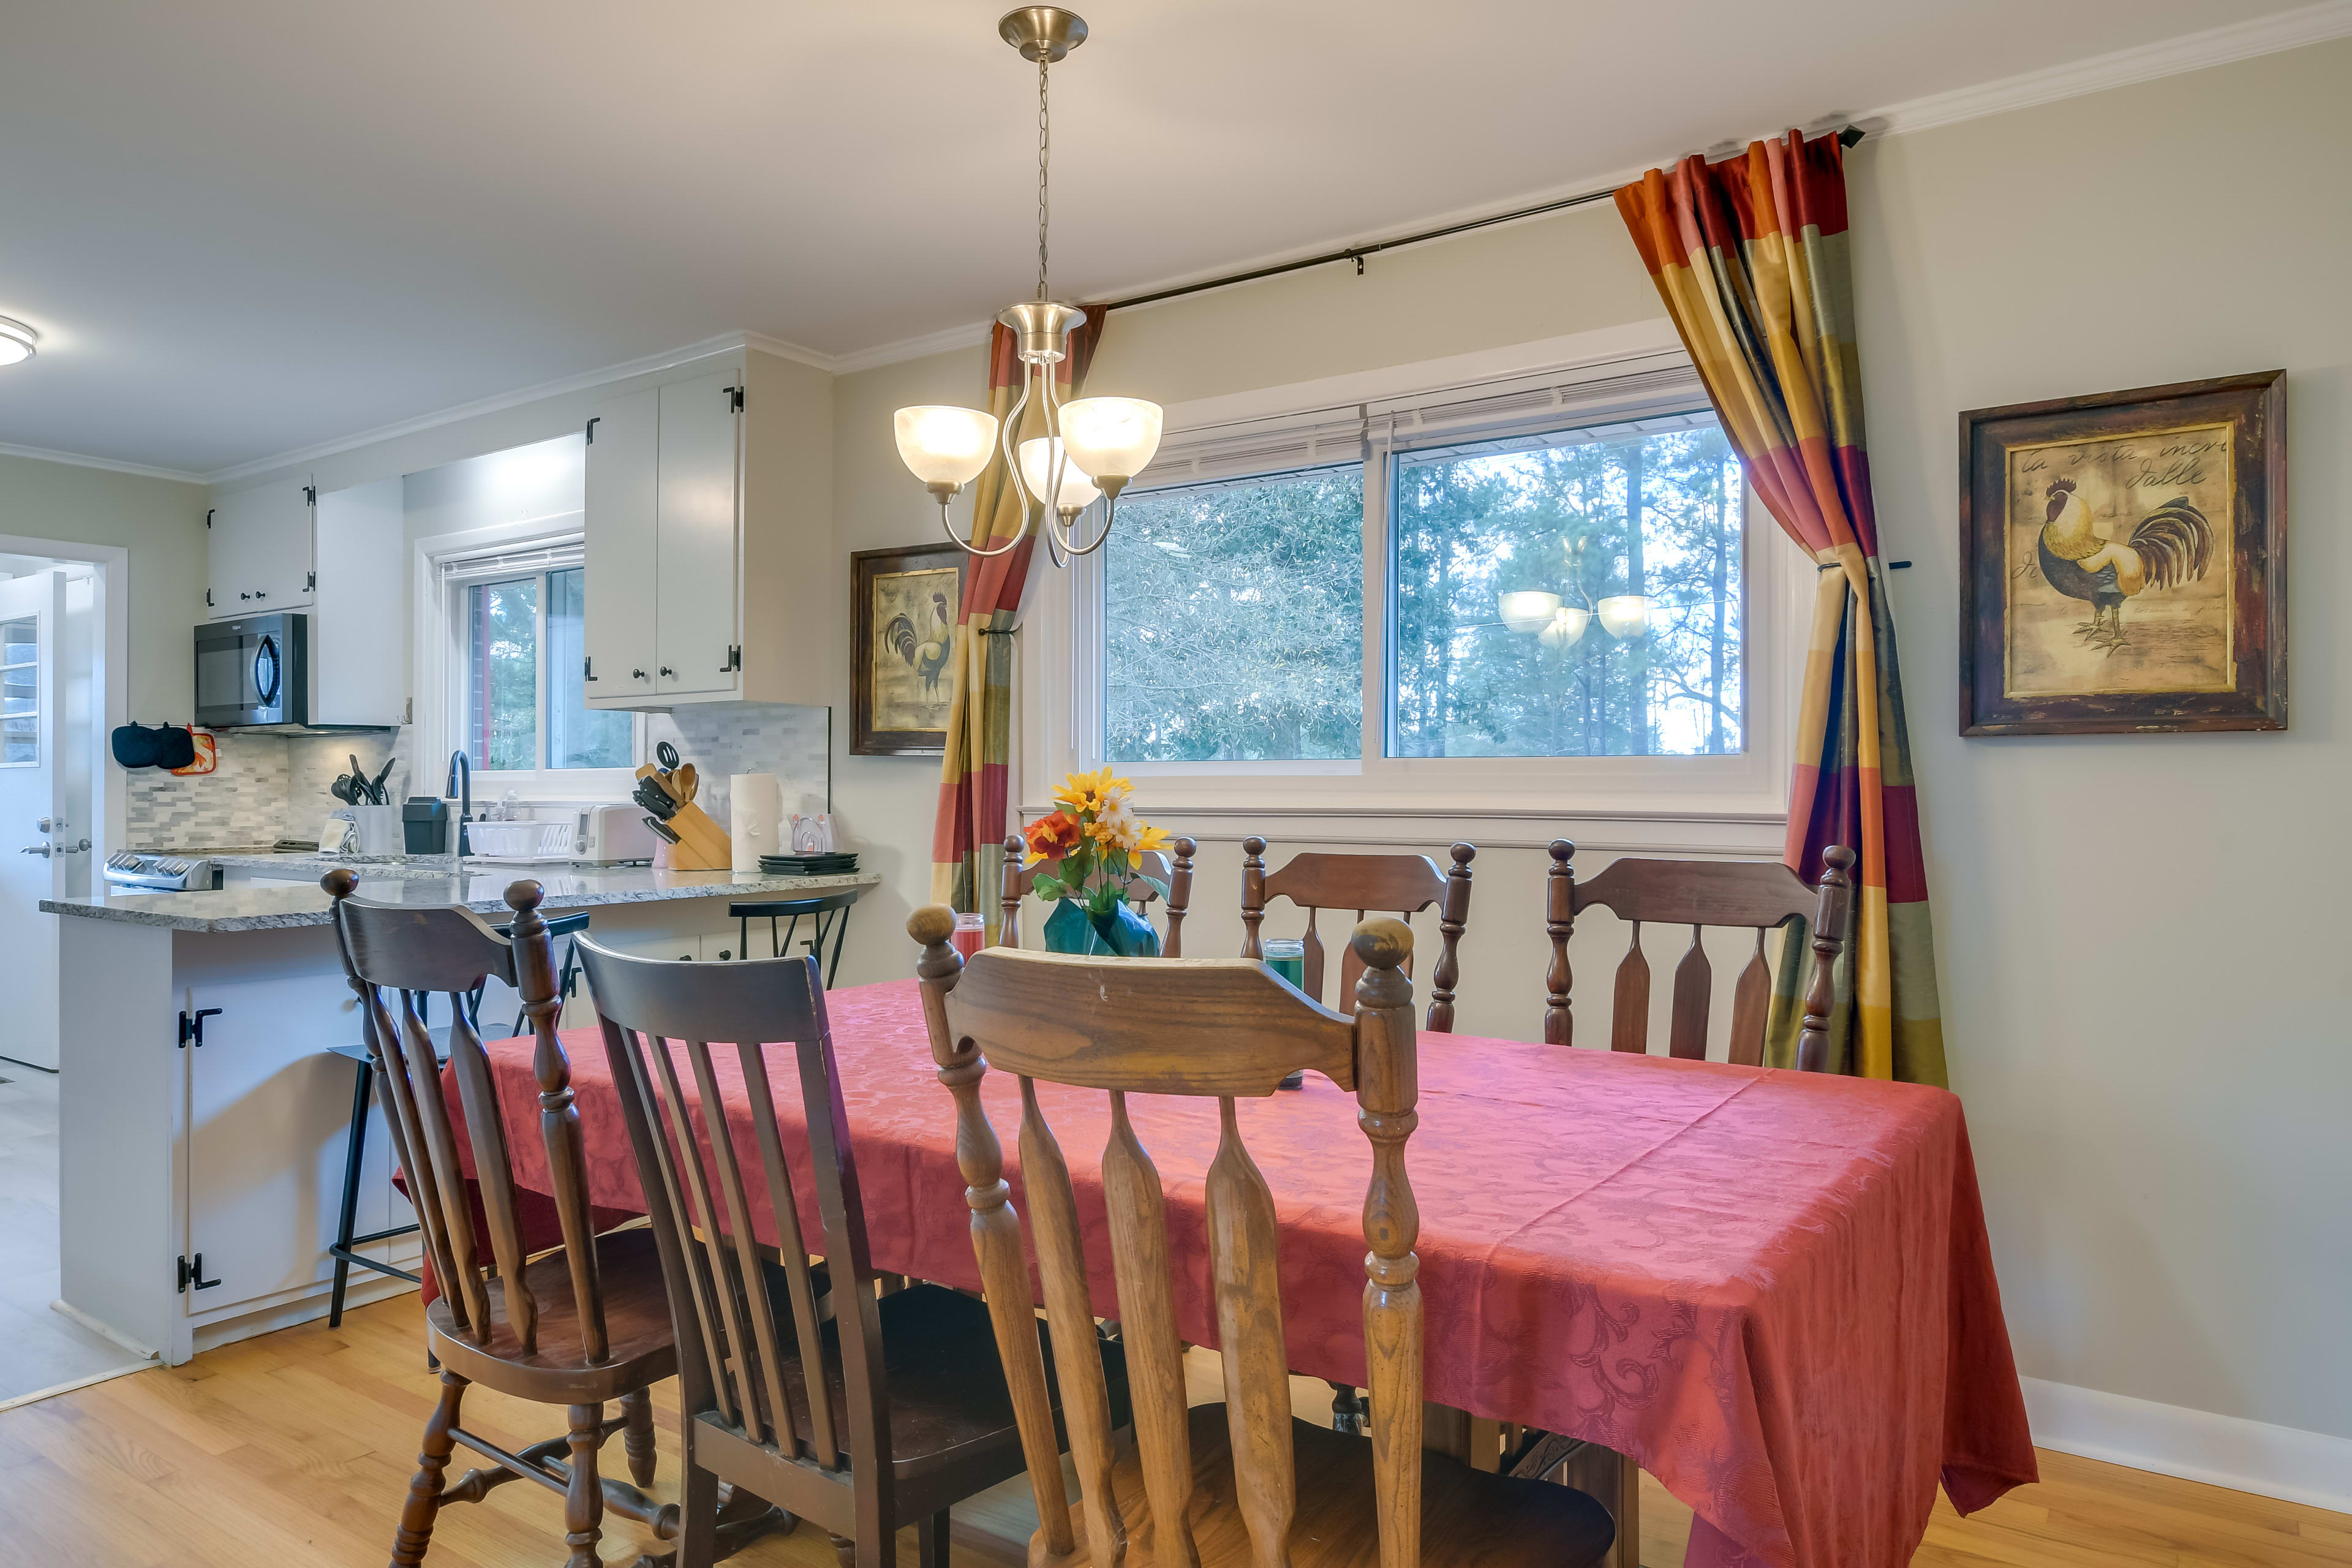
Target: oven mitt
{"type": "Point", "coordinates": [157, 746]}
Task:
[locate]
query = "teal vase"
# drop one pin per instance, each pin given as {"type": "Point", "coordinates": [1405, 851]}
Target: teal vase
{"type": "Point", "coordinates": [1068, 929]}
{"type": "Point", "coordinates": [1126, 933]}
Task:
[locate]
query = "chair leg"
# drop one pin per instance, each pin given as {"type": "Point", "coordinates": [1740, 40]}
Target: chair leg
{"type": "Point", "coordinates": [845, 1551]}
{"type": "Point", "coordinates": [932, 1540]}
{"type": "Point", "coordinates": [698, 1509]}
{"type": "Point", "coordinates": [583, 1502]}
{"type": "Point", "coordinates": [1347, 1414]}
{"type": "Point", "coordinates": [347, 1225]}
{"type": "Point", "coordinates": [415, 1531]}
{"type": "Point", "coordinates": [637, 1437]}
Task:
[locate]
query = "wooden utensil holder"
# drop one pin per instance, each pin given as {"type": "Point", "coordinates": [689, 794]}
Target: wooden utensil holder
{"type": "Point", "coordinates": [702, 845]}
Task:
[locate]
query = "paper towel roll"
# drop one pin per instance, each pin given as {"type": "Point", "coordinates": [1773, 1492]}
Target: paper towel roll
{"type": "Point", "coordinates": [755, 811]}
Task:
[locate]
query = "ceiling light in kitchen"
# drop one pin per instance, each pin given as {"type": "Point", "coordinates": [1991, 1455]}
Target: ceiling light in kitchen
{"type": "Point", "coordinates": [17, 342]}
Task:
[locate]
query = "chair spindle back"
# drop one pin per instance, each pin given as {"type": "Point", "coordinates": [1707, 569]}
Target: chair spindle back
{"type": "Point", "coordinates": [1019, 879]}
{"type": "Point", "coordinates": [1204, 1028]}
{"type": "Point", "coordinates": [392, 955]}
{"type": "Point", "coordinates": [1698, 893]}
{"type": "Point", "coordinates": [1364, 883]}
{"type": "Point", "coordinates": [697, 1168]}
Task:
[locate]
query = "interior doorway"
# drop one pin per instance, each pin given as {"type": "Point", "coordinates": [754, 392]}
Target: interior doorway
{"type": "Point", "coordinates": [62, 689]}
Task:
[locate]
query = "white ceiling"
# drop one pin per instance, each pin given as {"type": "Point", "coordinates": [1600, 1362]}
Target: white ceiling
{"type": "Point", "coordinates": [249, 226]}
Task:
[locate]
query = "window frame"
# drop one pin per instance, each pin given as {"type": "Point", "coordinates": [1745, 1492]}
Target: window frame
{"type": "Point", "coordinates": [443, 577]}
{"type": "Point", "coordinates": [1612, 379]}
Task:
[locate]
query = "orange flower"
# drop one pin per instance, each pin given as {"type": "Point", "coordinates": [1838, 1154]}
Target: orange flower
{"type": "Point", "coordinates": [1052, 837]}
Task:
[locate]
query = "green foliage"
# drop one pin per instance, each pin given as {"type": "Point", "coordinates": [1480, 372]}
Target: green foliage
{"type": "Point", "coordinates": [504, 629]}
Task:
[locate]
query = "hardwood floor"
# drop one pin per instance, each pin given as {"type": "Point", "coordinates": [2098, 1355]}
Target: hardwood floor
{"type": "Point", "coordinates": [295, 1450]}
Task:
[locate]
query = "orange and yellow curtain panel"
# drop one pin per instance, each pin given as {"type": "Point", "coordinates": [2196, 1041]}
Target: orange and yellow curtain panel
{"type": "Point", "coordinates": [968, 835]}
{"type": "Point", "coordinates": [1750, 256]}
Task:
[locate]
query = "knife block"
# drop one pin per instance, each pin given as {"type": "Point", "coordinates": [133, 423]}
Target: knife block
{"type": "Point", "coordinates": [702, 845]}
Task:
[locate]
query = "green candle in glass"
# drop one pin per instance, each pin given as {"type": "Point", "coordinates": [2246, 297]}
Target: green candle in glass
{"type": "Point", "coordinates": [1287, 956]}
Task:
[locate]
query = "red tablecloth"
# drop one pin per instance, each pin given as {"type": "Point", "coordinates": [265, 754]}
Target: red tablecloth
{"type": "Point", "coordinates": [1771, 1289]}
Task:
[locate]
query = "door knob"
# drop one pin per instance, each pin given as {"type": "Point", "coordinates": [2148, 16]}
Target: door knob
{"type": "Point", "coordinates": [45, 824]}
{"type": "Point", "coordinates": [40, 849]}
{"type": "Point", "coordinates": [636, 675]}
{"type": "Point", "coordinates": [80, 848]}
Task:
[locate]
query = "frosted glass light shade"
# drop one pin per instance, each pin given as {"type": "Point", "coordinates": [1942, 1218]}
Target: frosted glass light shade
{"type": "Point", "coordinates": [17, 342]}
{"type": "Point", "coordinates": [1111, 437]}
{"type": "Point", "coordinates": [945, 445]}
{"type": "Point", "coordinates": [1037, 456]}
{"type": "Point", "coordinates": [1624, 615]}
{"type": "Point", "coordinates": [1567, 625]}
{"type": "Point", "coordinates": [1528, 609]}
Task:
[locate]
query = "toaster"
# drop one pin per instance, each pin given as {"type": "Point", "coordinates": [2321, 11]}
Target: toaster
{"type": "Point", "coordinates": [613, 836]}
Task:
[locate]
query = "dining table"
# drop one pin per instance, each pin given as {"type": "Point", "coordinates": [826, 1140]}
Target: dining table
{"type": "Point", "coordinates": [1773, 1290]}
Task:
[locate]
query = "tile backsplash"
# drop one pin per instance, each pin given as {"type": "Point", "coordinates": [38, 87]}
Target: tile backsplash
{"type": "Point", "coordinates": [240, 804]}
{"type": "Point", "coordinates": [722, 738]}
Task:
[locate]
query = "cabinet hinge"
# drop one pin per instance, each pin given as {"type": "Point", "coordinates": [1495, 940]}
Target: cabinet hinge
{"type": "Point", "coordinates": [734, 660]}
{"type": "Point", "coordinates": [190, 1273]}
{"type": "Point", "coordinates": [191, 1026]}
{"type": "Point", "coordinates": [735, 399]}
{"type": "Point", "coordinates": [591, 430]}
{"type": "Point", "coordinates": [310, 495]}
{"type": "Point", "coordinates": [588, 667]}
{"type": "Point", "coordinates": [208, 520]}
{"type": "Point", "coordinates": [310, 582]}
{"type": "Point", "coordinates": [209, 593]}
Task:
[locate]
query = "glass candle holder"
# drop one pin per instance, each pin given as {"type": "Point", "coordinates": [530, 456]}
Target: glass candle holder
{"type": "Point", "coordinates": [1287, 956]}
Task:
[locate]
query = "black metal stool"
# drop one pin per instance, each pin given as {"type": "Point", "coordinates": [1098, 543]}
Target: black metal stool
{"type": "Point", "coordinates": [345, 1250]}
{"type": "Point", "coordinates": [830, 910]}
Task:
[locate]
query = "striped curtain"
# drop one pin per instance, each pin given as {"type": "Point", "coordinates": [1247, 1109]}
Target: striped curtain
{"type": "Point", "coordinates": [1752, 257]}
{"type": "Point", "coordinates": [968, 835]}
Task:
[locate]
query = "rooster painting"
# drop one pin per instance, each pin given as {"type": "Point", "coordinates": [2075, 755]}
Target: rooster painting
{"type": "Point", "coordinates": [2170, 546]}
{"type": "Point", "coordinates": [923, 649]}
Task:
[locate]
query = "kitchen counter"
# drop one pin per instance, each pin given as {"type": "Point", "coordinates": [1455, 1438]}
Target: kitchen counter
{"type": "Point", "coordinates": [427, 883]}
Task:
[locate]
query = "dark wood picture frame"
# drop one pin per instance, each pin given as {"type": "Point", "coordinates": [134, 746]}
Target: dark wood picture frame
{"type": "Point", "coordinates": [2253, 535]}
{"type": "Point", "coordinates": [865, 566]}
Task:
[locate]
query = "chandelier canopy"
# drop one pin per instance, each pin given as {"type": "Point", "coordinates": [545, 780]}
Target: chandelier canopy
{"type": "Point", "coordinates": [1092, 446]}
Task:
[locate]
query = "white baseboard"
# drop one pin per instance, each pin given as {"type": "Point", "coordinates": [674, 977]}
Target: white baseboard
{"type": "Point", "coordinates": [103, 1331]}
{"type": "Point", "coordinates": [2195, 1444]}
{"type": "Point", "coordinates": [97, 1377]}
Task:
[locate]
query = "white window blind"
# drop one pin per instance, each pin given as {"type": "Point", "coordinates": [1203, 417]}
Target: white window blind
{"type": "Point", "coordinates": [514, 560]}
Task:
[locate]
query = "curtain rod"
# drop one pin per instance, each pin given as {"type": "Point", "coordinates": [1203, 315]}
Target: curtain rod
{"type": "Point", "coordinates": [1356, 253]}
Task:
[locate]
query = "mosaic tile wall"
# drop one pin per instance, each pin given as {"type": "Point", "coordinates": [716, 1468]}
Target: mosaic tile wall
{"type": "Point", "coordinates": [239, 806]}
{"type": "Point", "coordinates": [722, 738]}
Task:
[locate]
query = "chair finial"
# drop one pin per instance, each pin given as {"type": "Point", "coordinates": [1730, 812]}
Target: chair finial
{"type": "Point", "coordinates": [340, 881]}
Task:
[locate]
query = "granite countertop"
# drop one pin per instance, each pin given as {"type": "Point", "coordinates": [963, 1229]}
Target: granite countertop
{"type": "Point", "coordinates": [429, 884]}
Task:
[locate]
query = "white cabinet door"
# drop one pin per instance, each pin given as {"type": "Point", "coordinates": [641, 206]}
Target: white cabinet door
{"type": "Point", "coordinates": [260, 550]}
{"type": "Point", "coordinates": [694, 576]}
{"type": "Point", "coordinates": [268, 1112]}
{"type": "Point", "coordinates": [624, 440]}
{"type": "Point", "coordinates": [358, 672]}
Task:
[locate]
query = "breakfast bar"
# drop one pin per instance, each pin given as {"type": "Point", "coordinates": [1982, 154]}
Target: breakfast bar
{"type": "Point", "coordinates": [205, 1121]}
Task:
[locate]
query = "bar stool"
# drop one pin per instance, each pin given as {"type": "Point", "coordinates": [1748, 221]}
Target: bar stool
{"type": "Point", "coordinates": [345, 1248]}
{"type": "Point", "coordinates": [830, 910]}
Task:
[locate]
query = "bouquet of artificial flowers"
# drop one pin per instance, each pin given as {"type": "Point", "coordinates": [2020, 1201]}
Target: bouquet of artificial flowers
{"type": "Point", "coordinates": [1096, 844]}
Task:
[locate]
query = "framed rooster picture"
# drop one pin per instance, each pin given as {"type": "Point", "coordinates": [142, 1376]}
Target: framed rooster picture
{"type": "Point", "coordinates": [903, 610]}
{"type": "Point", "coordinates": [2123, 562]}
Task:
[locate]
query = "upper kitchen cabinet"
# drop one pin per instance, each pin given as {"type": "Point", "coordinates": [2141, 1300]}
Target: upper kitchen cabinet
{"type": "Point", "coordinates": [710, 504]}
{"type": "Point", "coordinates": [358, 671]}
{"type": "Point", "coordinates": [260, 548]}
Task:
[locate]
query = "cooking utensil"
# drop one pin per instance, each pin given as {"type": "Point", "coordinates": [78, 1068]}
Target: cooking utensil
{"type": "Point", "coordinates": [684, 782]}
{"type": "Point", "coordinates": [650, 794]}
{"type": "Point", "coordinates": [358, 778]}
{"type": "Point", "coordinates": [667, 755]}
{"type": "Point", "coordinates": [377, 788]}
{"type": "Point", "coordinates": [343, 790]}
{"type": "Point", "coordinates": [661, 829]}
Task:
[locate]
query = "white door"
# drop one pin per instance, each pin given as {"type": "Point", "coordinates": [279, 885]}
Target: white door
{"type": "Point", "coordinates": [260, 550]}
{"type": "Point", "coordinates": [618, 525]}
{"type": "Point", "coordinates": [694, 578]}
{"type": "Point", "coordinates": [36, 843]}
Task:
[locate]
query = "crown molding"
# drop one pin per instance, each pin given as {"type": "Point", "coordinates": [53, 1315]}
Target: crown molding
{"type": "Point", "coordinates": [111, 464]}
{"type": "Point", "coordinates": [2220, 46]}
{"type": "Point", "coordinates": [971, 334]}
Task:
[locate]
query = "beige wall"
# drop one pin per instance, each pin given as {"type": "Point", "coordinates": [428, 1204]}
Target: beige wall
{"type": "Point", "coordinates": [2137, 936]}
{"type": "Point", "coordinates": [162, 523]}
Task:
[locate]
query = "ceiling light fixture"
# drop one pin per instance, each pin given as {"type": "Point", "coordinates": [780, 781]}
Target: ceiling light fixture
{"type": "Point", "coordinates": [17, 342]}
{"type": "Point", "coordinates": [1104, 440]}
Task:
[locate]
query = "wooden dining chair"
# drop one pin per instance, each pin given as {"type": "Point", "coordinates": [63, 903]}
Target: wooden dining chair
{"type": "Point", "coordinates": [1177, 874]}
{"type": "Point", "coordinates": [881, 1413]}
{"type": "Point", "coordinates": [1760, 895]}
{"type": "Point", "coordinates": [1241, 1484]}
{"type": "Point", "coordinates": [1364, 883]}
{"type": "Point", "coordinates": [579, 1327]}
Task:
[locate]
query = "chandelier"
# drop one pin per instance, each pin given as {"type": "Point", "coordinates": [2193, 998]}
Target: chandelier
{"type": "Point", "coordinates": [1092, 446]}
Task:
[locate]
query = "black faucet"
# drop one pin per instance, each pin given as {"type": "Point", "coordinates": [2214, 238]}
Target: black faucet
{"type": "Point", "coordinates": [461, 785]}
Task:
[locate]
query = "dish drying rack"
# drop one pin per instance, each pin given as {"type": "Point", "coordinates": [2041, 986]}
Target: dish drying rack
{"type": "Point", "coordinates": [520, 843]}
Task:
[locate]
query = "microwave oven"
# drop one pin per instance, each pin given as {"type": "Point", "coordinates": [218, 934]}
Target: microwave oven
{"type": "Point", "coordinates": [254, 670]}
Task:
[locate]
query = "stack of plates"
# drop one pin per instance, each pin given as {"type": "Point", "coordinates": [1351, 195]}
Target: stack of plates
{"type": "Point", "coordinates": [832, 865]}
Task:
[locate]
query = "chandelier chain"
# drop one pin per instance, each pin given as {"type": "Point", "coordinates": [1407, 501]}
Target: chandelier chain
{"type": "Point", "coordinates": [1044, 151]}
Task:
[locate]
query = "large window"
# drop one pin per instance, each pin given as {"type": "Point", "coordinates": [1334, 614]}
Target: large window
{"type": "Point", "coordinates": [516, 675]}
{"type": "Point", "coordinates": [1567, 593]}
{"type": "Point", "coordinates": [1234, 621]}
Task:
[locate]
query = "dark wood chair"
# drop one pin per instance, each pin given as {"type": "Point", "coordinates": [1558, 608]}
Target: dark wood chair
{"type": "Point", "coordinates": [1405, 883]}
{"type": "Point", "coordinates": [1176, 873]}
{"type": "Point", "coordinates": [1241, 1484]}
{"type": "Point", "coordinates": [579, 1327]}
{"type": "Point", "coordinates": [1762, 896]}
{"type": "Point", "coordinates": [882, 1413]}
